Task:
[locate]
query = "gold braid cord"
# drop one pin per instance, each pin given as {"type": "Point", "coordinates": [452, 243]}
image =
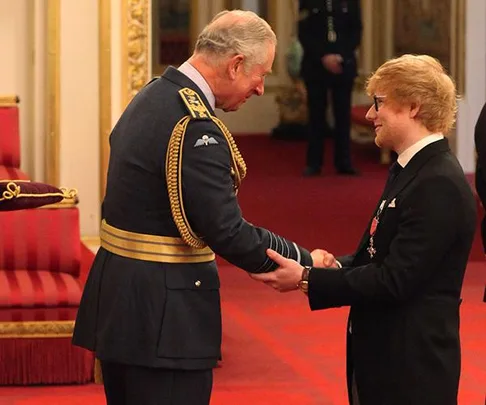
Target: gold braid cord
{"type": "Point", "coordinates": [238, 164]}
{"type": "Point", "coordinates": [173, 171]}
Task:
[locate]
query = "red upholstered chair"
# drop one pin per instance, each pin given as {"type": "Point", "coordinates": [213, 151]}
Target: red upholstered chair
{"type": "Point", "coordinates": [363, 131]}
{"type": "Point", "coordinates": [10, 139]}
{"type": "Point", "coordinates": [43, 265]}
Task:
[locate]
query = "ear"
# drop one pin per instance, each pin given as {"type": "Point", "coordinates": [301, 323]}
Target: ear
{"type": "Point", "coordinates": [414, 110]}
{"type": "Point", "coordinates": [235, 64]}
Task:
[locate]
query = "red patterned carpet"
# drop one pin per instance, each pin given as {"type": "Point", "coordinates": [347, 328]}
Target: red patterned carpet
{"type": "Point", "coordinates": [275, 351]}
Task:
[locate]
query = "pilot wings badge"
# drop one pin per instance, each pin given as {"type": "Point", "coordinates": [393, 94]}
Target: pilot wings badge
{"type": "Point", "coordinates": [205, 141]}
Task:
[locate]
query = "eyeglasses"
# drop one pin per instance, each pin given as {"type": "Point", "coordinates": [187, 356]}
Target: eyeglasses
{"type": "Point", "coordinates": [377, 100]}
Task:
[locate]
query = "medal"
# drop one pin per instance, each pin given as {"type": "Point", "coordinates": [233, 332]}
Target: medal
{"type": "Point", "coordinates": [371, 249]}
{"type": "Point", "coordinates": [374, 224]}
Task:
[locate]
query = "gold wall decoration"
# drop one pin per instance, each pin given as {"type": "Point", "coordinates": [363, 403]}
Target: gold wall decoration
{"type": "Point", "coordinates": [53, 92]}
{"type": "Point", "coordinates": [380, 16]}
{"type": "Point", "coordinates": [104, 88]}
{"type": "Point", "coordinates": [433, 28]}
{"type": "Point", "coordinates": [135, 47]}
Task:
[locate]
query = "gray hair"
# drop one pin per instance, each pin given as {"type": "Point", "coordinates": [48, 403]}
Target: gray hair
{"type": "Point", "coordinates": [237, 32]}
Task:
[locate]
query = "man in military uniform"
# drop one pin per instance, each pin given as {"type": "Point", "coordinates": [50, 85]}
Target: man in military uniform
{"type": "Point", "coordinates": [330, 34]}
{"type": "Point", "coordinates": [151, 306]}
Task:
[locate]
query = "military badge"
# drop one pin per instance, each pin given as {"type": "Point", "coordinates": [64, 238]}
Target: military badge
{"type": "Point", "coordinates": [205, 141]}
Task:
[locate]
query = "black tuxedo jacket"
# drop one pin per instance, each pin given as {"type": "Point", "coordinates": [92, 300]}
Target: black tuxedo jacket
{"type": "Point", "coordinates": [403, 336]}
{"type": "Point", "coordinates": [480, 141]}
{"type": "Point", "coordinates": [168, 314]}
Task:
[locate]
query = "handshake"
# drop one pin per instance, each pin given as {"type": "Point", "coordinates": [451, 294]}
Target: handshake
{"type": "Point", "coordinates": [289, 273]}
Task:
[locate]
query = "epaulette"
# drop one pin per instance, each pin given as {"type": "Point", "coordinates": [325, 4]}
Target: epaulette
{"type": "Point", "coordinates": [194, 104]}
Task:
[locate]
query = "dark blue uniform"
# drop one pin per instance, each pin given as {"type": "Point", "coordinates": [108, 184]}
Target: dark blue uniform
{"type": "Point", "coordinates": [165, 313]}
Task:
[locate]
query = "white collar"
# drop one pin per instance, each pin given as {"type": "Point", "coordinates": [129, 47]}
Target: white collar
{"type": "Point", "coordinates": [407, 155]}
{"type": "Point", "coordinates": [192, 73]}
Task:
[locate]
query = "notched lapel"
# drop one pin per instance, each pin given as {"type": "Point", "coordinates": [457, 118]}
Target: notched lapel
{"type": "Point", "coordinates": [416, 163]}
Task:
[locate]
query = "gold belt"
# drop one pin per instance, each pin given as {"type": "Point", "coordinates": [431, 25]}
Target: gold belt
{"type": "Point", "coordinates": [152, 248]}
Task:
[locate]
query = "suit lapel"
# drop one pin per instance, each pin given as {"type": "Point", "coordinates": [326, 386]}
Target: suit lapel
{"type": "Point", "coordinates": [410, 171]}
{"type": "Point", "coordinates": [406, 176]}
{"type": "Point", "coordinates": [180, 79]}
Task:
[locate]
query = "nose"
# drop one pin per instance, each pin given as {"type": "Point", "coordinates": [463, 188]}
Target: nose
{"type": "Point", "coordinates": [371, 114]}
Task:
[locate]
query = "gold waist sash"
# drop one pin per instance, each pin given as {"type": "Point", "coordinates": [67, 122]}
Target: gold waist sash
{"type": "Point", "coordinates": [152, 248]}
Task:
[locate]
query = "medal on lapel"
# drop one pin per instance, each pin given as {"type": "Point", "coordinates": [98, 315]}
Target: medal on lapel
{"type": "Point", "coordinates": [374, 224]}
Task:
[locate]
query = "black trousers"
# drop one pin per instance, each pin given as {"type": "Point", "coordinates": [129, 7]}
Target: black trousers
{"type": "Point", "coordinates": [134, 385]}
{"type": "Point", "coordinates": [318, 87]}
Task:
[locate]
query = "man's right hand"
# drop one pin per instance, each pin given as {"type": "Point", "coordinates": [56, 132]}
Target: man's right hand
{"type": "Point", "coordinates": [333, 63]}
{"type": "Point", "coordinates": [322, 258]}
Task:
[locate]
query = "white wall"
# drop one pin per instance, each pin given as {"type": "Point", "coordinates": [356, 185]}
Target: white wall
{"type": "Point", "coordinates": [79, 115]}
{"type": "Point", "coordinates": [16, 68]}
{"type": "Point", "coordinates": [475, 84]}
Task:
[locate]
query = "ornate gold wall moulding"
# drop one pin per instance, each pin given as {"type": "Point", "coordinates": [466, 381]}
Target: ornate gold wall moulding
{"type": "Point", "coordinates": [53, 103]}
{"type": "Point", "coordinates": [105, 88]}
{"type": "Point", "coordinates": [135, 46]}
{"type": "Point", "coordinates": [42, 329]}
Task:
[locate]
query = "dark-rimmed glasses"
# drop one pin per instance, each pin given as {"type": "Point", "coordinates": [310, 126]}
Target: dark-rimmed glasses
{"type": "Point", "coordinates": [377, 100]}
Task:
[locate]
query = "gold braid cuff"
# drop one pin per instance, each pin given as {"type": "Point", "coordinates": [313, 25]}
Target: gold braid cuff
{"type": "Point", "coordinates": [173, 164]}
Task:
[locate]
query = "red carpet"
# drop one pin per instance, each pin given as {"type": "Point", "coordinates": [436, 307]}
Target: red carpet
{"type": "Point", "coordinates": [275, 351]}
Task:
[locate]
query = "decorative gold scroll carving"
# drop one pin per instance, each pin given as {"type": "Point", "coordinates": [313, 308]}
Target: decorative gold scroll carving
{"type": "Point", "coordinates": [135, 46]}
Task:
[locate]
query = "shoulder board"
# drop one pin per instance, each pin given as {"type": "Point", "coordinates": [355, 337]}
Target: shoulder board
{"type": "Point", "coordinates": [194, 104]}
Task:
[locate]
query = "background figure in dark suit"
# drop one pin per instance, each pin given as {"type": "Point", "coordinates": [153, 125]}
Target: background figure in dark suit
{"type": "Point", "coordinates": [151, 306]}
{"type": "Point", "coordinates": [480, 180]}
{"type": "Point", "coordinates": [330, 33]}
{"type": "Point", "coordinates": [480, 141]}
{"type": "Point", "coordinates": [404, 280]}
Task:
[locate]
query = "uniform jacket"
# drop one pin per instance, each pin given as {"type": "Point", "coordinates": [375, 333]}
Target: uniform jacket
{"type": "Point", "coordinates": [403, 336]}
{"type": "Point", "coordinates": [162, 314]}
{"type": "Point", "coordinates": [480, 141]}
{"type": "Point", "coordinates": [313, 30]}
